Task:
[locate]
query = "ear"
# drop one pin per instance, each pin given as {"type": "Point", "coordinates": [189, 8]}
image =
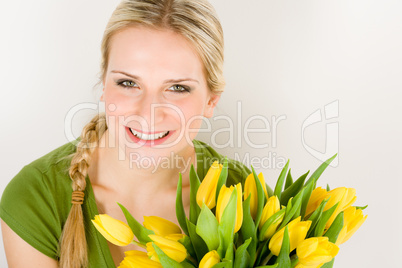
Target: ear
{"type": "Point", "coordinates": [211, 104]}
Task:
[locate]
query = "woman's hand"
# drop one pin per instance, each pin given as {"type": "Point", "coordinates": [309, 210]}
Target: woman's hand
{"type": "Point", "coordinates": [21, 254]}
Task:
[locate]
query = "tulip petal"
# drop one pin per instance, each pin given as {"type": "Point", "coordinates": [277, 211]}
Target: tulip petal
{"type": "Point", "coordinates": [175, 250]}
{"type": "Point", "coordinates": [138, 259]}
{"type": "Point", "coordinates": [271, 207]}
{"type": "Point", "coordinates": [297, 232]}
{"type": "Point", "coordinates": [353, 219]}
{"type": "Point", "coordinates": [209, 259]}
{"type": "Point", "coordinates": [315, 251]}
{"type": "Point", "coordinates": [115, 231]}
{"type": "Point", "coordinates": [207, 190]}
{"type": "Point", "coordinates": [317, 196]}
{"type": "Point", "coordinates": [161, 226]}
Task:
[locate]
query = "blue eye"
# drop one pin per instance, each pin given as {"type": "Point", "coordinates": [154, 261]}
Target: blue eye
{"type": "Point", "coordinates": [179, 89]}
{"type": "Point", "coordinates": [126, 83]}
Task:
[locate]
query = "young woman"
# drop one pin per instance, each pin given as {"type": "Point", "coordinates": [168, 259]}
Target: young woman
{"type": "Point", "coordinates": [161, 74]}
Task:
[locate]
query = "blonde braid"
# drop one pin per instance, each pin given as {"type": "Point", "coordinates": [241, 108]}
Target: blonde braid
{"type": "Point", "coordinates": [73, 245]}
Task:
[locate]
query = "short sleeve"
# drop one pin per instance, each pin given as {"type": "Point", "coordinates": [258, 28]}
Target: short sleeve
{"type": "Point", "coordinates": [28, 207]}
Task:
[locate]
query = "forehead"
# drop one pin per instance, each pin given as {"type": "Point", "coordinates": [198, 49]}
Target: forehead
{"type": "Point", "coordinates": [141, 49]}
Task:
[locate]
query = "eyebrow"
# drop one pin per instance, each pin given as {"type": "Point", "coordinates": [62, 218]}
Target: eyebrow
{"type": "Point", "coordinates": [166, 81]}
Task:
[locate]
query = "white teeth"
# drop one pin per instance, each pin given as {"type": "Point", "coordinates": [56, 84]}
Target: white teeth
{"type": "Point", "coordinates": [148, 137]}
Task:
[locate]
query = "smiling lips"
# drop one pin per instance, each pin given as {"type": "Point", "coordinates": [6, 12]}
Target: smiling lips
{"type": "Point", "coordinates": [150, 136]}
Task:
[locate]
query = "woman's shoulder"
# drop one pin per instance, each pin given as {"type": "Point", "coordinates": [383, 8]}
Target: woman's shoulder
{"type": "Point", "coordinates": [45, 173]}
{"type": "Point", "coordinates": [59, 158]}
{"type": "Point", "coordinates": [36, 201]}
{"type": "Point", "coordinates": [206, 155]}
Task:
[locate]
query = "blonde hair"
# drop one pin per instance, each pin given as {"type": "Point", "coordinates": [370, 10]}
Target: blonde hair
{"type": "Point", "coordinates": [195, 20]}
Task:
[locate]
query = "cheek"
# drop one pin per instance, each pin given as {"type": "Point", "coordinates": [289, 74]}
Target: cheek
{"type": "Point", "coordinates": [115, 104]}
{"type": "Point", "coordinates": [194, 114]}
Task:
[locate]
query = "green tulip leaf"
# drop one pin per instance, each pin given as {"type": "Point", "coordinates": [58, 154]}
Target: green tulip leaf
{"type": "Point", "coordinates": [227, 225]}
{"type": "Point", "coordinates": [308, 189]}
{"type": "Point", "coordinates": [270, 221]}
{"type": "Point", "coordinates": [139, 231]}
{"type": "Point", "coordinates": [328, 264]}
{"type": "Point", "coordinates": [222, 178]}
{"type": "Point", "coordinates": [268, 266]}
{"type": "Point", "coordinates": [166, 261]}
{"type": "Point", "coordinates": [198, 243]}
{"type": "Point", "coordinates": [180, 214]}
{"type": "Point", "coordinates": [223, 264]}
{"type": "Point", "coordinates": [335, 228]}
{"type": "Point", "coordinates": [281, 180]}
{"type": "Point", "coordinates": [229, 255]}
{"type": "Point", "coordinates": [194, 185]}
{"type": "Point", "coordinates": [316, 216]}
{"type": "Point", "coordinates": [283, 259]}
{"type": "Point", "coordinates": [261, 196]}
{"type": "Point", "coordinates": [289, 205]}
{"type": "Point", "coordinates": [328, 188]}
{"type": "Point", "coordinates": [320, 170]}
{"type": "Point", "coordinates": [248, 229]}
{"type": "Point", "coordinates": [242, 257]}
{"type": "Point", "coordinates": [294, 212]}
{"type": "Point", "coordinates": [186, 242]}
{"type": "Point", "coordinates": [298, 202]}
{"type": "Point", "coordinates": [207, 228]}
{"type": "Point", "coordinates": [289, 180]}
{"type": "Point", "coordinates": [319, 229]}
{"type": "Point", "coordinates": [362, 208]}
{"type": "Point", "coordinates": [293, 189]}
{"type": "Point", "coordinates": [263, 252]}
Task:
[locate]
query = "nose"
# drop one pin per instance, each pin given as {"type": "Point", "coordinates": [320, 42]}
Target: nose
{"type": "Point", "coordinates": [151, 107]}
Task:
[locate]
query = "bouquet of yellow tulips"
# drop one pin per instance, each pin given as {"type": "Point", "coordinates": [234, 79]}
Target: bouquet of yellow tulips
{"type": "Point", "coordinates": [294, 225]}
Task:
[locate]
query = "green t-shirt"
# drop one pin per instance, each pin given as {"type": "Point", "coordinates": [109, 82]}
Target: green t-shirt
{"type": "Point", "coordinates": [36, 202]}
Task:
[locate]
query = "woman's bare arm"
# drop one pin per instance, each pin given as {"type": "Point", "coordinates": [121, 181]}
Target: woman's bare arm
{"type": "Point", "coordinates": [21, 254]}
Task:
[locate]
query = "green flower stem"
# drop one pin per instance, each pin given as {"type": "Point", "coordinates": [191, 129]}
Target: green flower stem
{"type": "Point", "coordinates": [266, 260]}
{"type": "Point", "coordinates": [260, 247]}
{"type": "Point", "coordinates": [294, 260]}
{"type": "Point", "coordinates": [138, 244]}
{"type": "Point", "coordinates": [190, 258]}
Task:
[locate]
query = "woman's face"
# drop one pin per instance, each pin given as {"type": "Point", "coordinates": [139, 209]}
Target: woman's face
{"type": "Point", "coordinates": [155, 93]}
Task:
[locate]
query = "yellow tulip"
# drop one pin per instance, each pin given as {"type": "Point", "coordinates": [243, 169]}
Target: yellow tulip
{"type": "Point", "coordinates": [161, 226]}
{"type": "Point", "coordinates": [251, 189]}
{"type": "Point", "coordinates": [210, 259]}
{"type": "Point", "coordinates": [115, 231]}
{"type": "Point", "coordinates": [206, 193]}
{"type": "Point", "coordinates": [223, 200]}
{"type": "Point", "coordinates": [271, 207]}
{"type": "Point", "coordinates": [345, 196]}
{"type": "Point", "coordinates": [175, 250]}
{"type": "Point", "coordinates": [297, 233]}
{"type": "Point", "coordinates": [352, 220]}
{"type": "Point", "coordinates": [138, 259]}
{"type": "Point", "coordinates": [316, 197]}
{"type": "Point", "coordinates": [175, 237]}
{"type": "Point", "coordinates": [314, 252]}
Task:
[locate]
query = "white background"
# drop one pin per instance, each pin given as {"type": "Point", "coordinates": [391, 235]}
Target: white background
{"type": "Point", "coordinates": [283, 58]}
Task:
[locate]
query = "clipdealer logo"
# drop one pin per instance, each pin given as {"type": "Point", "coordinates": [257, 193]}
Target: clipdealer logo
{"type": "Point", "coordinates": [331, 112]}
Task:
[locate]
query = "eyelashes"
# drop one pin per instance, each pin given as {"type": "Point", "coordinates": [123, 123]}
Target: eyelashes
{"type": "Point", "coordinates": [176, 88]}
{"type": "Point", "coordinates": [180, 88]}
{"type": "Point", "coordinates": [126, 83]}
